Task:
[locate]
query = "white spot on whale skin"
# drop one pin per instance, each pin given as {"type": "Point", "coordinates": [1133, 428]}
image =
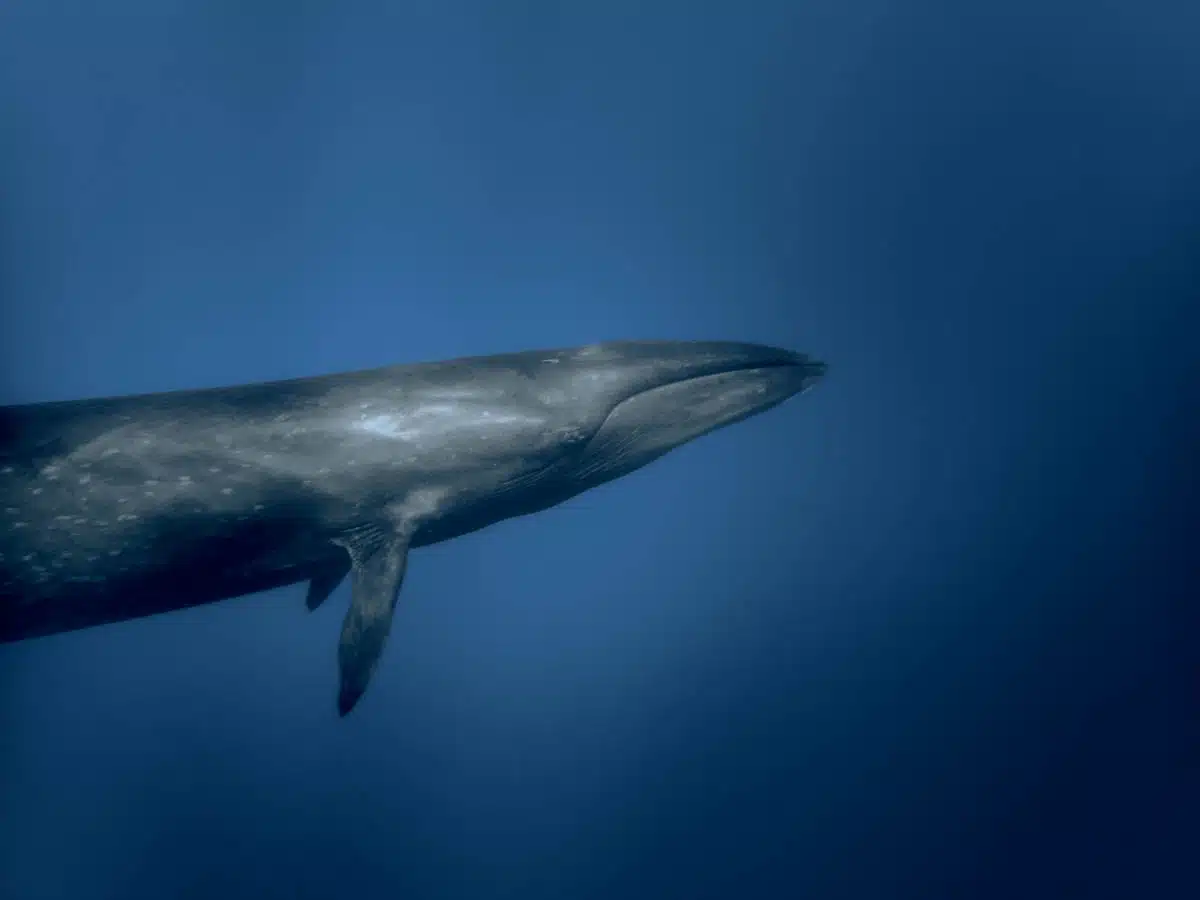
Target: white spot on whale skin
{"type": "Point", "coordinates": [150, 482]}
{"type": "Point", "coordinates": [16, 525]}
{"type": "Point", "coordinates": [114, 552]}
{"type": "Point", "coordinates": [111, 451]}
{"type": "Point", "coordinates": [258, 507]}
{"type": "Point", "coordinates": [387, 426]}
{"type": "Point", "coordinates": [27, 557]}
{"type": "Point", "coordinates": [11, 510]}
{"type": "Point", "coordinates": [226, 491]}
{"type": "Point", "coordinates": [84, 479]}
{"type": "Point", "coordinates": [214, 469]}
{"type": "Point", "coordinates": [127, 517]}
{"type": "Point", "coordinates": [7, 470]}
{"type": "Point", "coordinates": [184, 479]}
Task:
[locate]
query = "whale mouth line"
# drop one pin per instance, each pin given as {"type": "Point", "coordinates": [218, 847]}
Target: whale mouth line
{"type": "Point", "coordinates": [811, 368]}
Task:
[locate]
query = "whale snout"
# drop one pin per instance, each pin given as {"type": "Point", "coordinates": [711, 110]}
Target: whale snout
{"type": "Point", "coordinates": [646, 364]}
{"type": "Point", "coordinates": [814, 368]}
{"type": "Point", "coordinates": [665, 394]}
{"type": "Point", "coordinates": [745, 362]}
{"type": "Point", "coordinates": [766, 373]}
{"type": "Point", "coordinates": [764, 356]}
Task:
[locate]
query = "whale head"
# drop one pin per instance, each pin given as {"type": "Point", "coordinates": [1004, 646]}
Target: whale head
{"type": "Point", "coordinates": [645, 398]}
{"type": "Point", "coordinates": [516, 433]}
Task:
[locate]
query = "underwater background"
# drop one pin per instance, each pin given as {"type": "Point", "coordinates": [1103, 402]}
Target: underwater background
{"type": "Point", "coordinates": [928, 631]}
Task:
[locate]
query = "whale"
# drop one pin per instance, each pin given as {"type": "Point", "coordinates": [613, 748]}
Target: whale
{"type": "Point", "coordinates": [117, 508]}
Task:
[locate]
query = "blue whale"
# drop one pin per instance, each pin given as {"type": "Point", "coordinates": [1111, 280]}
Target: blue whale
{"type": "Point", "coordinates": [116, 508]}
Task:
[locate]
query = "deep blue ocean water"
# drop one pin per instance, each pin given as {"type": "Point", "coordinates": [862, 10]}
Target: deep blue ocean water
{"type": "Point", "coordinates": [926, 632]}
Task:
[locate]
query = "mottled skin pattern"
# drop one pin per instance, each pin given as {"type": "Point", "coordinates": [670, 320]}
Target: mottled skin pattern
{"type": "Point", "coordinates": [124, 507]}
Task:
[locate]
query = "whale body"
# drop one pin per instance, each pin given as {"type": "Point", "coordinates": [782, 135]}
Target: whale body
{"type": "Point", "coordinates": [117, 508]}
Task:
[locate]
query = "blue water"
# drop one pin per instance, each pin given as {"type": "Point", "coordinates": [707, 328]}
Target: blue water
{"type": "Point", "coordinates": [918, 634]}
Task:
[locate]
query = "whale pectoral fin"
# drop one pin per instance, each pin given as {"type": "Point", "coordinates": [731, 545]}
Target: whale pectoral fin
{"type": "Point", "coordinates": [378, 569]}
{"type": "Point", "coordinates": [324, 583]}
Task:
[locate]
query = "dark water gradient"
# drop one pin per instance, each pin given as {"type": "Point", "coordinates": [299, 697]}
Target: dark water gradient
{"type": "Point", "coordinates": [927, 632]}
